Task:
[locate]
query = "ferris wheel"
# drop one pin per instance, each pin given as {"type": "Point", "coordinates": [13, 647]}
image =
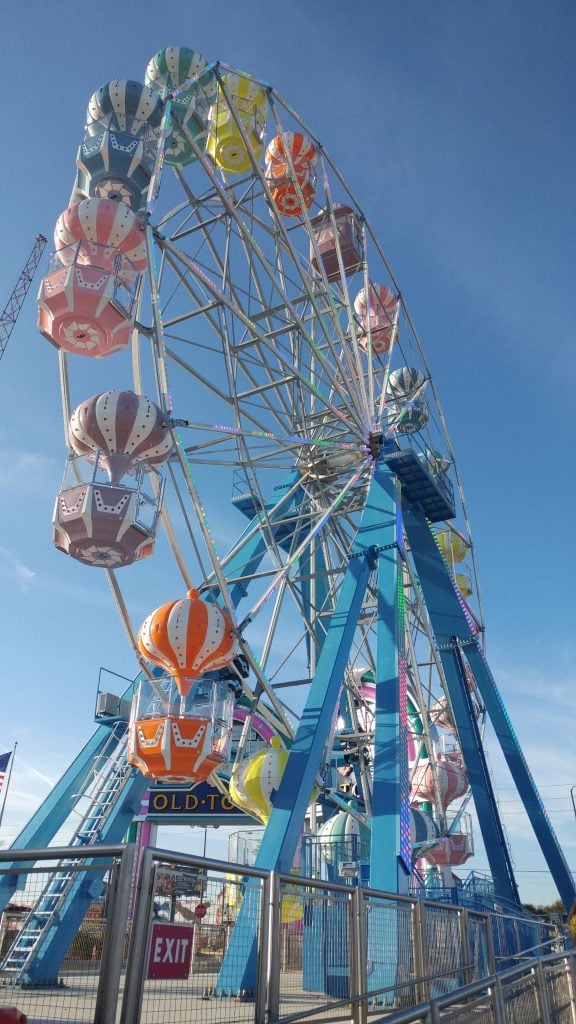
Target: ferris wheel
{"type": "Point", "coordinates": [263, 353]}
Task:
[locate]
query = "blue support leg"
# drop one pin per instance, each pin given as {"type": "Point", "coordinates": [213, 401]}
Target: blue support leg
{"type": "Point", "coordinates": [278, 846]}
{"type": "Point", "coordinates": [451, 625]}
{"type": "Point", "coordinates": [390, 853]}
{"type": "Point", "coordinates": [522, 776]}
{"type": "Point", "coordinates": [390, 850]}
{"type": "Point", "coordinates": [54, 809]}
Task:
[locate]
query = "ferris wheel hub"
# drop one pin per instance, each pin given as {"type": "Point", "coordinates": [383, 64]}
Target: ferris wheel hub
{"type": "Point", "coordinates": [375, 442]}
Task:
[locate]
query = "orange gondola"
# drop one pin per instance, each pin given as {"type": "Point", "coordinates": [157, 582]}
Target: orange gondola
{"type": "Point", "coordinates": [290, 161]}
{"type": "Point", "coordinates": [180, 739]}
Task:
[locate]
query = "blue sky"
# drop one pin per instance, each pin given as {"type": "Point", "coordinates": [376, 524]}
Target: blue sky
{"type": "Point", "coordinates": [453, 123]}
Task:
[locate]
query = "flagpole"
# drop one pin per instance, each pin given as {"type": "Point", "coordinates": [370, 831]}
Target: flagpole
{"type": "Point", "coordinates": [5, 788]}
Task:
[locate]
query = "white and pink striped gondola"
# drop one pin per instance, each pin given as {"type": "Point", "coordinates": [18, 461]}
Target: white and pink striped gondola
{"type": "Point", "coordinates": [86, 301]}
{"type": "Point", "coordinates": [446, 778]}
{"type": "Point", "coordinates": [101, 522]}
{"type": "Point", "coordinates": [378, 315]}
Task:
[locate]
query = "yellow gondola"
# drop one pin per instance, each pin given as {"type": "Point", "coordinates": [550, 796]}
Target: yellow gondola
{"type": "Point", "coordinates": [225, 144]}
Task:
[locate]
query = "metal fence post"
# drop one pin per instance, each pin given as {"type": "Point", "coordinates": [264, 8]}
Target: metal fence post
{"type": "Point", "coordinates": [517, 942]}
{"type": "Point", "coordinates": [267, 1006]}
{"type": "Point", "coordinates": [260, 1008]}
{"type": "Point", "coordinates": [120, 888]}
{"type": "Point", "coordinates": [420, 951]}
{"type": "Point", "coordinates": [358, 954]}
{"type": "Point", "coordinates": [490, 955]}
{"type": "Point", "coordinates": [571, 969]}
{"type": "Point", "coordinates": [136, 966]}
{"type": "Point", "coordinates": [268, 986]}
{"type": "Point", "coordinates": [499, 1001]}
{"type": "Point", "coordinates": [541, 993]}
{"type": "Point", "coordinates": [465, 946]}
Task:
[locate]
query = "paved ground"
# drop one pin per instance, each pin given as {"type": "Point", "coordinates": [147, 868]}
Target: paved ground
{"type": "Point", "coordinates": [164, 1002]}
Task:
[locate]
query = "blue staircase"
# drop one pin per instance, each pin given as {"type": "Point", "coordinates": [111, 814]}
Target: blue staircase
{"type": "Point", "coordinates": [48, 930]}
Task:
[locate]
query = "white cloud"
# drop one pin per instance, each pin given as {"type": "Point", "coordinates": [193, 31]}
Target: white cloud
{"type": "Point", "coordinates": [25, 470]}
{"type": "Point", "coordinates": [10, 565]}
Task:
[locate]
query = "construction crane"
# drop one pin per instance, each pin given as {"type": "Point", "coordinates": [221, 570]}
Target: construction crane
{"type": "Point", "coordinates": [10, 313]}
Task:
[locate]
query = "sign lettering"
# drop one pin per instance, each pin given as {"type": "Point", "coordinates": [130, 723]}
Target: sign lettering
{"type": "Point", "coordinates": [170, 951]}
{"type": "Point", "coordinates": [202, 801]}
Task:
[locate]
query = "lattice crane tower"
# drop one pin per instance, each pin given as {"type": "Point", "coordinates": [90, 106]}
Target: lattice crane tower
{"type": "Point", "coordinates": [11, 311]}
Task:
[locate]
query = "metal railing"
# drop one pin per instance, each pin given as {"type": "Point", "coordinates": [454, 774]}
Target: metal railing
{"type": "Point", "coordinates": [321, 951]}
{"type": "Point", "coordinates": [541, 991]}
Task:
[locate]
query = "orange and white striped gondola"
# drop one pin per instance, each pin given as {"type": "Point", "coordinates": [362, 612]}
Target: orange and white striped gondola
{"type": "Point", "coordinates": [301, 150]}
{"type": "Point", "coordinates": [187, 638]}
{"type": "Point", "coordinates": [290, 162]}
{"type": "Point", "coordinates": [287, 196]}
{"type": "Point", "coordinates": [175, 749]}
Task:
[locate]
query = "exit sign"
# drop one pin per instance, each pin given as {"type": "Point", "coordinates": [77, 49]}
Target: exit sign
{"type": "Point", "coordinates": [170, 951]}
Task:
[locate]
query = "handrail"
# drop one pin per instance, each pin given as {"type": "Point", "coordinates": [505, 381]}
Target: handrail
{"type": "Point", "coordinates": [372, 994]}
{"type": "Point", "coordinates": [415, 1013]}
{"type": "Point", "coordinates": [11, 855]}
{"type": "Point", "coordinates": [530, 949]}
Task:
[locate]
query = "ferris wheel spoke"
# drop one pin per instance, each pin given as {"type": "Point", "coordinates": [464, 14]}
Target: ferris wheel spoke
{"type": "Point", "coordinates": [355, 377]}
{"type": "Point", "coordinates": [248, 239]}
{"type": "Point", "coordinates": [304, 544]}
{"type": "Point", "coordinates": [266, 343]}
{"type": "Point", "coordinates": [274, 382]}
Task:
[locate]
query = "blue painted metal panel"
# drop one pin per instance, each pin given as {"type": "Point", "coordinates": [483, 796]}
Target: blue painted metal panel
{"type": "Point", "coordinates": [291, 800]}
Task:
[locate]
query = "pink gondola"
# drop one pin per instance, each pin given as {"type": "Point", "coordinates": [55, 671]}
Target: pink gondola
{"type": "Point", "coordinates": [82, 309]}
{"type": "Point", "coordinates": [378, 315]}
{"type": "Point", "coordinates": [121, 429]}
{"type": "Point", "coordinates": [452, 850]}
{"type": "Point", "coordinates": [101, 525]}
{"type": "Point", "coordinates": [451, 779]}
{"type": "Point", "coordinates": [103, 229]}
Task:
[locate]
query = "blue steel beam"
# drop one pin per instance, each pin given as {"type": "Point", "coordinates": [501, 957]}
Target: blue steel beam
{"type": "Point", "coordinates": [449, 622]}
{"type": "Point", "coordinates": [522, 776]}
{"type": "Point", "coordinates": [245, 556]}
{"type": "Point", "coordinates": [455, 639]}
{"type": "Point", "coordinates": [278, 846]}
{"type": "Point", "coordinates": [314, 589]}
{"type": "Point", "coordinates": [390, 853]}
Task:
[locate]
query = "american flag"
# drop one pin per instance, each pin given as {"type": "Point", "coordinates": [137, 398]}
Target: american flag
{"type": "Point", "coordinates": [4, 761]}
